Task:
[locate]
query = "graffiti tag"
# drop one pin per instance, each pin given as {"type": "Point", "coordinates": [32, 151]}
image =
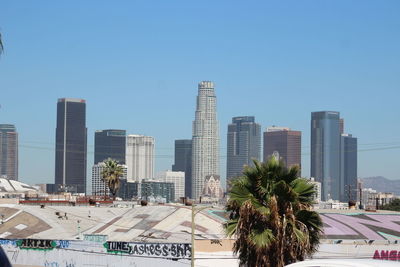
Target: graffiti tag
{"type": "Point", "coordinates": [172, 250]}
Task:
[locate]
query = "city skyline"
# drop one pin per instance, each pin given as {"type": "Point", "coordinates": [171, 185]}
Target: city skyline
{"type": "Point", "coordinates": [280, 71]}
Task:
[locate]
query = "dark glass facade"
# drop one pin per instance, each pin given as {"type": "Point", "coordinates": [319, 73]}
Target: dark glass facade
{"type": "Point", "coordinates": [183, 162]}
{"type": "Point", "coordinates": [71, 145]}
{"type": "Point", "coordinates": [348, 168]}
{"type": "Point", "coordinates": [8, 151]}
{"type": "Point", "coordinates": [109, 144]}
{"type": "Point", "coordinates": [325, 152]}
{"type": "Point", "coordinates": [158, 189]}
{"type": "Point", "coordinates": [243, 145]}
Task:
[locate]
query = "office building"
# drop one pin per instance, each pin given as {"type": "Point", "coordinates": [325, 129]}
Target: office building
{"type": "Point", "coordinates": [183, 162]}
{"type": "Point", "coordinates": [205, 149]}
{"type": "Point", "coordinates": [109, 143]}
{"type": "Point", "coordinates": [348, 167]}
{"type": "Point", "coordinates": [177, 178]}
{"type": "Point", "coordinates": [243, 145]}
{"type": "Point", "coordinates": [286, 143]}
{"type": "Point", "coordinates": [157, 191]}
{"type": "Point", "coordinates": [139, 157]}
{"type": "Point", "coordinates": [325, 152]}
{"type": "Point", "coordinates": [8, 151]}
{"type": "Point", "coordinates": [71, 140]}
{"type": "Point", "coordinates": [98, 185]}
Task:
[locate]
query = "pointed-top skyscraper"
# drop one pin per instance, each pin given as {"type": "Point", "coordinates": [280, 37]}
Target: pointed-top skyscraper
{"type": "Point", "coordinates": [205, 141]}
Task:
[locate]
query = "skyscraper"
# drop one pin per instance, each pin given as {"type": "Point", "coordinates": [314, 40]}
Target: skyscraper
{"type": "Point", "coordinates": [284, 141]}
{"type": "Point", "coordinates": [183, 162]}
{"type": "Point", "coordinates": [8, 151]}
{"type": "Point", "coordinates": [109, 144]}
{"type": "Point", "coordinates": [348, 167]}
{"type": "Point", "coordinates": [243, 145]}
{"type": "Point", "coordinates": [205, 149]}
{"type": "Point", "coordinates": [325, 152]}
{"type": "Point", "coordinates": [71, 140]}
{"type": "Point", "coordinates": [139, 157]}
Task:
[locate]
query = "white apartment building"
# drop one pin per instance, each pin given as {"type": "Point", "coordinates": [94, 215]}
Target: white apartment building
{"type": "Point", "coordinates": [139, 157]}
{"type": "Point", "coordinates": [98, 185]}
{"type": "Point", "coordinates": [317, 188]}
{"type": "Point", "coordinates": [177, 178]}
{"type": "Point", "coordinates": [205, 140]}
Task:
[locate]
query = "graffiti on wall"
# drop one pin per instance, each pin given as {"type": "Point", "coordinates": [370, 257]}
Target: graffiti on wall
{"type": "Point", "coordinates": [170, 250]}
{"type": "Point", "coordinates": [40, 244]}
{"type": "Point", "coordinates": [95, 238]}
{"type": "Point", "coordinates": [361, 226]}
{"type": "Point", "coordinates": [391, 255]}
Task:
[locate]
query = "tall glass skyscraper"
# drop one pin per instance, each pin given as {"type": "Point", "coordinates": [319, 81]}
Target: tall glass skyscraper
{"type": "Point", "coordinates": [8, 151]}
{"type": "Point", "coordinates": [109, 144]}
{"type": "Point", "coordinates": [243, 145]}
{"type": "Point", "coordinates": [183, 162]}
{"type": "Point", "coordinates": [205, 149]}
{"type": "Point", "coordinates": [71, 145]}
{"type": "Point", "coordinates": [325, 152]}
{"type": "Point", "coordinates": [348, 167]}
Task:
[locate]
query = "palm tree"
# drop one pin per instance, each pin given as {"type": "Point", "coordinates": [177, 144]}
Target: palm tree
{"type": "Point", "coordinates": [271, 216]}
{"type": "Point", "coordinates": [111, 173]}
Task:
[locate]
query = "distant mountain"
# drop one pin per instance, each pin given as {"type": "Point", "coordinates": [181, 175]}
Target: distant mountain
{"type": "Point", "coordinates": [382, 184]}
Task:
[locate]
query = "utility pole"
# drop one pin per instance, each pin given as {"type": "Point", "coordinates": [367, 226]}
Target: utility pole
{"type": "Point", "coordinates": [194, 213]}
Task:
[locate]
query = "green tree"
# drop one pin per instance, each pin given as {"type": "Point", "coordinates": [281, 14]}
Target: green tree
{"type": "Point", "coordinates": [110, 175]}
{"type": "Point", "coordinates": [393, 205]}
{"type": "Point", "coordinates": [271, 216]}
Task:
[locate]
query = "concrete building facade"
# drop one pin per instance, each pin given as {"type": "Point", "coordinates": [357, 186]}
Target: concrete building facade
{"type": "Point", "coordinates": [205, 150]}
{"type": "Point", "coordinates": [177, 178]}
{"type": "Point", "coordinates": [140, 157]}
{"type": "Point", "coordinates": [71, 145]}
{"type": "Point", "coordinates": [243, 145]}
{"type": "Point", "coordinates": [8, 151]}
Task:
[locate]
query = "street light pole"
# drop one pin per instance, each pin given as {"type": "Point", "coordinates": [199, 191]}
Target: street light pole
{"type": "Point", "coordinates": [192, 239]}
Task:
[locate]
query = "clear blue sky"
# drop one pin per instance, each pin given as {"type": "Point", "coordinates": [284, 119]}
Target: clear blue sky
{"type": "Point", "coordinates": [137, 63]}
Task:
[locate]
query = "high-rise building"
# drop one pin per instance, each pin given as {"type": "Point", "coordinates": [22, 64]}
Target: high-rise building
{"type": "Point", "coordinates": [8, 151]}
{"type": "Point", "coordinates": [98, 185]}
{"type": "Point", "coordinates": [109, 144]}
{"type": "Point", "coordinates": [243, 145]}
{"type": "Point", "coordinates": [205, 149]}
{"type": "Point", "coordinates": [325, 152]}
{"type": "Point", "coordinates": [348, 167]}
{"type": "Point", "coordinates": [183, 162]}
{"type": "Point", "coordinates": [341, 125]}
{"type": "Point", "coordinates": [286, 143]}
{"type": "Point", "coordinates": [177, 178]}
{"type": "Point", "coordinates": [139, 157]}
{"type": "Point", "coordinates": [71, 140]}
